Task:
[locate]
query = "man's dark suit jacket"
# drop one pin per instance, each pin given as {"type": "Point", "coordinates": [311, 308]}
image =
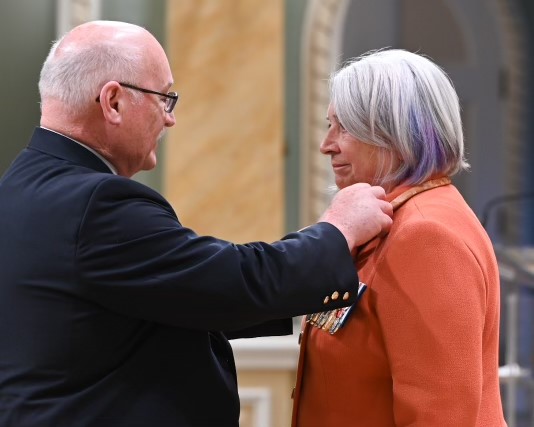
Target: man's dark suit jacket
{"type": "Point", "coordinates": [111, 311]}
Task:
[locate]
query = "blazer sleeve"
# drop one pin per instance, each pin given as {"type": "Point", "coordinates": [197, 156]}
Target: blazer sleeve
{"type": "Point", "coordinates": [432, 308]}
{"type": "Point", "coordinates": [134, 257]}
{"type": "Point", "coordinates": [266, 329]}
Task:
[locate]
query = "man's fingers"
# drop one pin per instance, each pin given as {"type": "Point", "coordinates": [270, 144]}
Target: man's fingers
{"type": "Point", "coordinates": [386, 207]}
{"type": "Point", "coordinates": [378, 192]}
{"type": "Point", "coordinates": [360, 212]}
{"type": "Point", "coordinates": [361, 185]}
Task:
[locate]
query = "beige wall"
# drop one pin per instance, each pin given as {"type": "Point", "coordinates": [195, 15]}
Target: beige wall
{"type": "Point", "coordinates": [266, 374]}
{"type": "Point", "coordinates": [280, 384]}
{"type": "Point", "coordinates": [223, 169]}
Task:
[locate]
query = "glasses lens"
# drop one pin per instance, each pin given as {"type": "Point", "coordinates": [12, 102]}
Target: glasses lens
{"type": "Point", "coordinates": [171, 102]}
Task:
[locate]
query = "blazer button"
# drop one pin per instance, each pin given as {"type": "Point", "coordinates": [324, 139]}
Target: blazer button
{"type": "Point", "coordinates": [335, 295]}
{"type": "Point", "coordinates": [326, 300]}
{"type": "Point", "coordinates": [346, 296]}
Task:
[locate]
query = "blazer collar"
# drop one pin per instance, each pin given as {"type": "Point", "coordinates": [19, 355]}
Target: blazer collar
{"type": "Point", "coordinates": [403, 193]}
{"type": "Point", "coordinates": [57, 145]}
{"type": "Point", "coordinates": [398, 196]}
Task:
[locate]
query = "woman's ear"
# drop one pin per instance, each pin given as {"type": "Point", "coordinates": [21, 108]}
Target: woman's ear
{"type": "Point", "coordinates": [110, 100]}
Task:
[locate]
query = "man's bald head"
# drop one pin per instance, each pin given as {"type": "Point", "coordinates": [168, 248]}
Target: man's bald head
{"type": "Point", "coordinates": [95, 32]}
{"type": "Point", "coordinates": [90, 55]}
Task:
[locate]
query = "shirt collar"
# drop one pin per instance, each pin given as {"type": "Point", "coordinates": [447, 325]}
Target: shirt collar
{"type": "Point", "coordinates": [104, 160]}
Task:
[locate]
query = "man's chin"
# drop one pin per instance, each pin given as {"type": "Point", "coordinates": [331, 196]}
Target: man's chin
{"type": "Point", "coordinates": [150, 162]}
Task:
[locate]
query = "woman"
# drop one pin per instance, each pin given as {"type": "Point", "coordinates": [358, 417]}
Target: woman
{"type": "Point", "coordinates": [421, 347]}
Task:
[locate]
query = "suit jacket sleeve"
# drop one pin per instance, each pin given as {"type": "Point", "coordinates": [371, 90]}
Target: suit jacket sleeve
{"type": "Point", "coordinates": [265, 329]}
{"type": "Point", "coordinates": [134, 257]}
{"type": "Point", "coordinates": [432, 314]}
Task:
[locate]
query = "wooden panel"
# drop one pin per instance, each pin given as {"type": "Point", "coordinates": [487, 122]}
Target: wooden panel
{"type": "Point", "coordinates": [223, 169]}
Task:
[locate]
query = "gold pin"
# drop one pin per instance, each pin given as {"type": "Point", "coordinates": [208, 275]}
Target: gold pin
{"type": "Point", "coordinates": [310, 318]}
{"type": "Point", "coordinates": [330, 321]}
{"type": "Point", "coordinates": [323, 319]}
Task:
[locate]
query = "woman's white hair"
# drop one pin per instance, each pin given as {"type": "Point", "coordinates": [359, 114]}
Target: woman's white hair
{"type": "Point", "coordinates": [76, 75]}
{"type": "Point", "coordinates": [404, 103]}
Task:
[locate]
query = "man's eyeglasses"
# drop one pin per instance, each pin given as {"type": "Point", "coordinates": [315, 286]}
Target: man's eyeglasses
{"type": "Point", "coordinates": [171, 98]}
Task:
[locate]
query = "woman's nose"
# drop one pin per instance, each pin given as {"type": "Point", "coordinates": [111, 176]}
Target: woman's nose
{"type": "Point", "coordinates": [328, 144]}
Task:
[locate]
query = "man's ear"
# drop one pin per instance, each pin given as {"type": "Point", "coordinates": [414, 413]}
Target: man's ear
{"type": "Point", "coordinates": [110, 101]}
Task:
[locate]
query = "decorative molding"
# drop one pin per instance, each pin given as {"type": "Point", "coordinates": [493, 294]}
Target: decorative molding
{"type": "Point", "coordinates": [320, 53]}
{"type": "Point", "coordinates": [71, 13]}
{"type": "Point", "coordinates": [266, 353]}
{"type": "Point", "coordinates": [258, 399]}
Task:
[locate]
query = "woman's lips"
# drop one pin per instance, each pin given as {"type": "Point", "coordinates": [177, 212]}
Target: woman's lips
{"type": "Point", "coordinates": [337, 166]}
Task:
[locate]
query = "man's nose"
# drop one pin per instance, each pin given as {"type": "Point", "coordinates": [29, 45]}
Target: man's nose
{"type": "Point", "coordinates": [170, 120]}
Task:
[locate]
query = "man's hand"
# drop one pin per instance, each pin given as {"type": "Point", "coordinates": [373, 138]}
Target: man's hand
{"type": "Point", "coordinates": [360, 213]}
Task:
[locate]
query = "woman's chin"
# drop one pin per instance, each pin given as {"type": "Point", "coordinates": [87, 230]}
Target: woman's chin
{"type": "Point", "coordinates": [342, 183]}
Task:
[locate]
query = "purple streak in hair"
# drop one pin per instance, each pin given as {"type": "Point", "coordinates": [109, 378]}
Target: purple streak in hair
{"type": "Point", "coordinates": [429, 156]}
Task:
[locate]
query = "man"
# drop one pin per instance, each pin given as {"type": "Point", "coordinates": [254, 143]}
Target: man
{"type": "Point", "coordinates": [111, 311]}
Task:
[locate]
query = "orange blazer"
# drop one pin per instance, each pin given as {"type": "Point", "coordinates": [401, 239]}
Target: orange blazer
{"type": "Point", "coordinates": [421, 346]}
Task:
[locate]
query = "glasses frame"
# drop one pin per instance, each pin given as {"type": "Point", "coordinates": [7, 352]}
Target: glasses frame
{"type": "Point", "coordinates": [172, 97]}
